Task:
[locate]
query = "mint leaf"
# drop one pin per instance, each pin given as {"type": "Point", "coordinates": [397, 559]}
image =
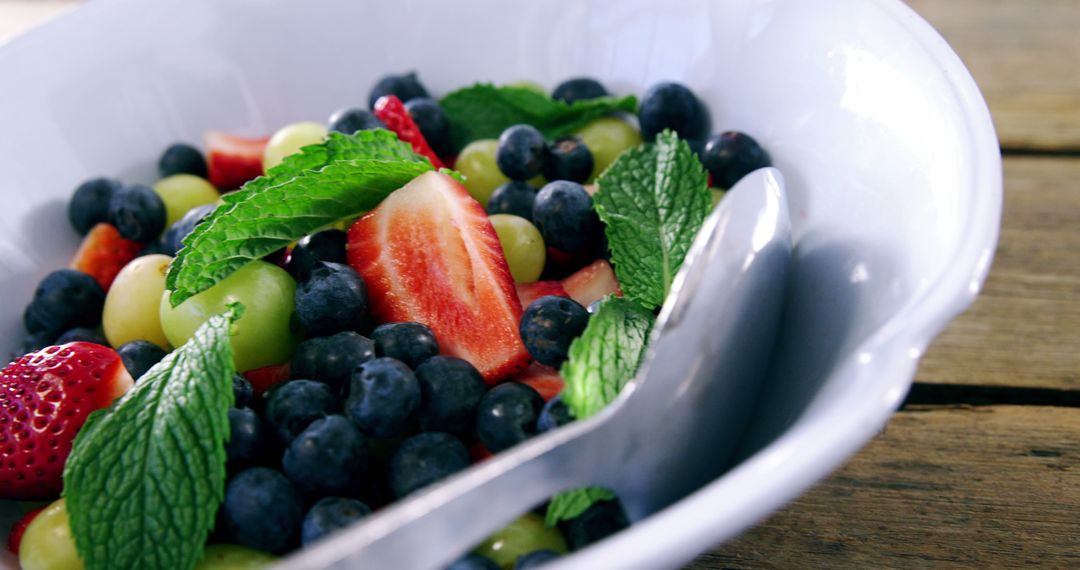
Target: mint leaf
{"type": "Point", "coordinates": [653, 200]}
{"type": "Point", "coordinates": [145, 475]}
{"type": "Point", "coordinates": [572, 503]}
{"type": "Point", "coordinates": [341, 178]}
{"type": "Point", "coordinates": [484, 111]}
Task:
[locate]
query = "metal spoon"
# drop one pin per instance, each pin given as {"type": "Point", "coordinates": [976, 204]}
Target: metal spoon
{"type": "Point", "coordinates": [672, 429]}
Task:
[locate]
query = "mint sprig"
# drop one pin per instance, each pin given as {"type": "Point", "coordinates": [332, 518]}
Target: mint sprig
{"type": "Point", "coordinates": [146, 475]}
{"type": "Point", "coordinates": [653, 200]}
{"type": "Point", "coordinates": [325, 183]}
{"type": "Point", "coordinates": [484, 111]}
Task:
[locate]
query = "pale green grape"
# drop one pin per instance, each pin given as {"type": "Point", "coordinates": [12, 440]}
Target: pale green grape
{"type": "Point", "coordinates": [482, 176]}
{"type": "Point", "coordinates": [290, 139]}
{"type": "Point", "coordinates": [522, 536]}
{"type": "Point", "coordinates": [523, 245]}
{"type": "Point", "coordinates": [47, 543]}
{"type": "Point", "coordinates": [233, 557]}
{"type": "Point", "coordinates": [131, 306]}
{"type": "Point", "coordinates": [606, 138]}
{"type": "Point", "coordinates": [182, 192]}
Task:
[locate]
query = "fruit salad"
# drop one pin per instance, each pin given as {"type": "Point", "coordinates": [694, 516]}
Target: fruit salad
{"type": "Point", "coordinates": [286, 333]}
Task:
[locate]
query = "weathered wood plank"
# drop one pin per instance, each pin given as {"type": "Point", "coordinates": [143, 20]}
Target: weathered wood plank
{"type": "Point", "coordinates": [994, 487]}
{"type": "Point", "coordinates": [1024, 329]}
{"type": "Point", "coordinates": [1025, 56]}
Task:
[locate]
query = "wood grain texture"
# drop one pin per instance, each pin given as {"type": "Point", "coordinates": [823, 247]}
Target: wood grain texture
{"type": "Point", "coordinates": [1024, 328]}
{"type": "Point", "coordinates": [1025, 56]}
{"type": "Point", "coordinates": [995, 487]}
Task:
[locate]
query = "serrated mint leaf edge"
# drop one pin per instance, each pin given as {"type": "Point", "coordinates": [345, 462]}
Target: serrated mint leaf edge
{"type": "Point", "coordinates": [570, 504]}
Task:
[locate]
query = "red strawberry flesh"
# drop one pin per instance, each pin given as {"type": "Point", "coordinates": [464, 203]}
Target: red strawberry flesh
{"type": "Point", "coordinates": [232, 161]}
{"type": "Point", "coordinates": [17, 531]}
{"type": "Point", "coordinates": [529, 292]}
{"type": "Point", "coordinates": [544, 379]}
{"type": "Point", "coordinates": [429, 254]}
{"type": "Point", "coordinates": [592, 283]}
{"type": "Point", "coordinates": [262, 379]}
{"type": "Point", "coordinates": [104, 253]}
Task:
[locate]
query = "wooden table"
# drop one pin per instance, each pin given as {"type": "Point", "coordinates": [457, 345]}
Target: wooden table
{"type": "Point", "coordinates": [980, 468]}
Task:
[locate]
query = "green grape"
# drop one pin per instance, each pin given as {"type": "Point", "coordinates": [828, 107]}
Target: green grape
{"type": "Point", "coordinates": [182, 192]}
{"type": "Point", "coordinates": [290, 139]}
{"type": "Point", "coordinates": [606, 138]}
{"type": "Point", "coordinates": [482, 175]}
{"type": "Point", "coordinates": [264, 335]}
{"type": "Point", "coordinates": [522, 536]}
{"type": "Point", "coordinates": [47, 543]}
{"type": "Point", "coordinates": [523, 246]}
{"type": "Point", "coordinates": [131, 306]}
{"type": "Point", "coordinates": [233, 557]}
{"type": "Point", "coordinates": [717, 195]}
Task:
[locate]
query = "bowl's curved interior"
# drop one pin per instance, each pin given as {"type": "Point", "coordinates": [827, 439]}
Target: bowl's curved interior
{"type": "Point", "coordinates": [886, 147]}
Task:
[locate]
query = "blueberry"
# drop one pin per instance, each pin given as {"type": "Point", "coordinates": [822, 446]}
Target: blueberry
{"type": "Point", "coordinates": [243, 391]}
{"type": "Point", "coordinates": [473, 562]}
{"type": "Point", "coordinates": [82, 334]}
{"type": "Point", "coordinates": [181, 158]}
{"type": "Point", "coordinates": [424, 459]}
{"type": "Point", "coordinates": [262, 510]}
{"type": "Point", "coordinates": [327, 246]}
{"type": "Point", "coordinates": [383, 396]}
{"type": "Point", "coordinates": [333, 358]}
{"type": "Point", "coordinates": [535, 559]}
{"type": "Point", "coordinates": [89, 205]}
{"type": "Point", "coordinates": [730, 156]}
{"type": "Point", "coordinates": [411, 343]}
{"type": "Point", "coordinates": [578, 89]}
{"type": "Point", "coordinates": [64, 299]}
{"type": "Point", "coordinates": [555, 414]}
{"type": "Point", "coordinates": [332, 299]}
{"type": "Point", "coordinates": [563, 212]}
{"type": "Point", "coordinates": [568, 159]}
{"type": "Point", "coordinates": [673, 106]}
{"type": "Point", "coordinates": [32, 342]}
{"type": "Point", "coordinates": [155, 247]}
{"type": "Point", "coordinates": [291, 406]}
{"type": "Point", "coordinates": [507, 416]}
{"type": "Point", "coordinates": [172, 241]}
{"type": "Point", "coordinates": [137, 212]}
{"type": "Point", "coordinates": [450, 390]}
{"type": "Point", "coordinates": [139, 356]}
{"type": "Point", "coordinates": [521, 152]}
{"type": "Point", "coordinates": [599, 521]}
{"type": "Point", "coordinates": [246, 439]}
{"type": "Point", "coordinates": [329, 515]}
{"type": "Point", "coordinates": [330, 457]}
{"type": "Point", "coordinates": [406, 86]}
{"type": "Point", "coordinates": [349, 121]}
{"type": "Point", "coordinates": [432, 122]}
{"type": "Point", "coordinates": [548, 326]}
{"type": "Point", "coordinates": [515, 198]}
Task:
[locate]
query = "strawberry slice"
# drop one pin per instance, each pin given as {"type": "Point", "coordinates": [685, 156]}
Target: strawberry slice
{"type": "Point", "coordinates": [262, 379]}
{"type": "Point", "coordinates": [429, 254]}
{"type": "Point", "coordinates": [232, 161]}
{"type": "Point", "coordinates": [391, 111]}
{"type": "Point", "coordinates": [592, 283]}
{"type": "Point", "coordinates": [45, 398]}
{"type": "Point", "coordinates": [17, 531]}
{"type": "Point", "coordinates": [103, 253]}
{"type": "Point", "coordinates": [544, 379]}
{"type": "Point", "coordinates": [529, 292]}
{"type": "Point", "coordinates": [478, 453]}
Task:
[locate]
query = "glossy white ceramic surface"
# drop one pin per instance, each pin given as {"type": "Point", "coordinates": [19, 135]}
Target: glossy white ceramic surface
{"type": "Point", "coordinates": [887, 148]}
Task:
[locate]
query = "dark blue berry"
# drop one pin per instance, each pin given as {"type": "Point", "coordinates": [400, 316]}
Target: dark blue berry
{"type": "Point", "coordinates": [730, 156]}
{"type": "Point", "coordinates": [424, 459]}
{"type": "Point", "coordinates": [549, 325]}
{"type": "Point", "coordinates": [329, 515]}
{"type": "Point", "coordinates": [411, 343]}
{"type": "Point", "coordinates": [555, 414]}
{"type": "Point", "coordinates": [247, 437]}
{"type": "Point", "coordinates": [601, 520]}
{"type": "Point", "coordinates": [450, 390]}
{"type": "Point", "coordinates": [139, 356]}
{"type": "Point", "coordinates": [243, 391]}
{"type": "Point", "coordinates": [138, 213]}
{"type": "Point", "coordinates": [64, 299]}
{"type": "Point", "coordinates": [578, 89]}
{"type": "Point", "coordinates": [406, 86]}
{"type": "Point", "coordinates": [181, 158]}
{"type": "Point", "coordinates": [568, 159]}
{"type": "Point", "coordinates": [172, 241]}
{"type": "Point", "coordinates": [330, 457]}
{"type": "Point", "coordinates": [349, 121]}
{"type": "Point", "coordinates": [89, 204]}
{"type": "Point", "coordinates": [507, 416]}
{"type": "Point", "coordinates": [383, 396]}
{"type": "Point", "coordinates": [155, 247]}
{"type": "Point", "coordinates": [432, 122]}
{"type": "Point", "coordinates": [82, 334]}
{"type": "Point", "coordinates": [332, 359]}
{"type": "Point", "coordinates": [535, 559]}
{"type": "Point", "coordinates": [262, 510]}
{"type": "Point", "coordinates": [673, 106]}
{"type": "Point", "coordinates": [563, 212]}
{"type": "Point", "coordinates": [32, 342]}
{"type": "Point", "coordinates": [327, 246]}
{"type": "Point", "coordinates": [521, 152]}
{"type": "Point", "coordinates": [473, 562]}
{"type": "Point", "coordinates": [291, 406]}
{"type": "Point", "coordinates": [514, 198]}
{"type": "Point", "coordinates": [332, 299]}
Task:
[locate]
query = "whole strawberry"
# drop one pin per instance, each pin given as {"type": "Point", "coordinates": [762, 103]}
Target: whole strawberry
{"type": "Point", "coordinates": [45, 398]}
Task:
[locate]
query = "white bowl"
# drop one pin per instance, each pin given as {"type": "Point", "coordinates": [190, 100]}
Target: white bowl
{"type": "Point", "coordinates": [893, 169]}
